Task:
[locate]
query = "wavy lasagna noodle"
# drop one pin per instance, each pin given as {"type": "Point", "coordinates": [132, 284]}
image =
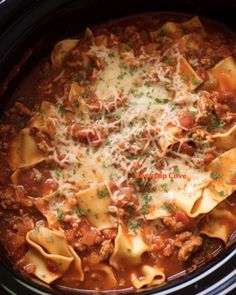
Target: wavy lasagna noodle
{"type": "Point", "coordinates": [49, 251]}
{"type": "Point", "coordinates": [23, 151]}
{"type": "Point", "coordinates": [118, 158]}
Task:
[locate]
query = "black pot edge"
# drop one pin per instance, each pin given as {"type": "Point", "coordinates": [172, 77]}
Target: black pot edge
{"type": "Point", "coordinates": [229, 281]}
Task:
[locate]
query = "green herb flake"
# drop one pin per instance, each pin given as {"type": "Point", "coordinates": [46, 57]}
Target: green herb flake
{"type": "Point", "coordinates": [60, 214]}
{"type": "Point", "coordinates": [81, 114]}
{"type": "Point", "coordinates": [54, 137]}
{"type": "Point", "coordinates": [215, 124]}
{"type": "Point", "coordinates": [205, 145]}
{"type": "Point", "coordinates": [191, 139]}
{"type": "Point", "coordinates": [121, 75]}
{"type": "Point", "coordinates": [167, 61]}
{"type": "Point", "coordinates": [95, 215]}
{"type": "Point", "coordinates": [57, 173]}
{"type": "Point", "coordinates": [102, 194]}
{"type": "Point", "coordinates": [194, 113]}
{"type": "Point", "coordinates": [176, 170]}
{"type": "Point", "coordinates": [174, 106]}
{"type": "Point", "coordinates": [133, 158]}
{"type": "Point", "coordinates": [164, 187]}
{"type": "Point", "coordinates": [134, 225]}
{"type": "Point", "coordinates": [112, 176]}
{"type": "Point", "coordinates": [117, 115]}
{"type": "Point", "coordinates": [185, 77]}
{"type": "Point", "coordinates": [215, 175]}
{"type": "Point", "coordinates": [94, 149]}
{"type": "Point", "coordinates": [107, 142]}
{"type": "Point", "coordinates": [78, 211]}
{"type": "Point", "coordinates": [196, 82]}
{"type": "Point", "coordinates": [147, 199]}
{"type": "Point", "coordinates": [147, 83]}
{"type": "Point", "coordinates": [85, 94]}
{"type": "Point", "coordinates": [222, 194]}
{"type": "Point", "coordinates": [167, 206]}
{"type": "Point", "coordinates": [139, 94]}
{"type": "Point", "coordinates": [162, 101]}
{"type": "Point", "coordinates": [62, 110]}
{"type": "Point", "coordinates": [162, 33]}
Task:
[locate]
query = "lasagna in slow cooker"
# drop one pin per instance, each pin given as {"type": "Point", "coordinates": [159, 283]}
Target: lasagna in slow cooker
{"type": "Point", "coordinates": [118, 155]}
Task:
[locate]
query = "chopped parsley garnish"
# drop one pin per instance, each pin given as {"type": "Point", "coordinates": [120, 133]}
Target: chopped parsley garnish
{"type": "Point", "coordinates": [139, 94]}
{"type": "Point", "coordinates": [162, 33]}
{"type": "Point", "coordinates": [221, 124]}
{"type": "Point", "coordinates": [191, 139]}
{"type": "Point", "coordinates": [158, 100]}
{"type": "Point", "coordinates": [81, 113]}
{"type": "Point", "coordinates": [167, 86]}
{"type": "Point", "coordinates": [164, 187]}
{"type": "Point", "coordinates": [107, 142]}
{"type": "Point", "coordinates": [174, 106]}
{"type": "Point", "coordinates": [167, 206]}
{"type": "Point", "coordinates": [133, 158]}
{"type": "Point", "coordinates": [54, 137]}
{"type": "Point", "coordinates": [194, 113]}
{"type": "Point", "coordinates": [102, 194]}
{"type": "Point", "coordinates": [94, 149]}
{"type": "Point", "coordinates": [61, 110]}
{"type": "Point", "coordinates": [196, 82]}
{"type": "Point", "coordinates": [121, 75]}
{"type": "Point", "coordinates": [147, 83]}
{"type": "Point", "coordinates": [111, 55]}
{"type": "Point", "coordinates": [185, 77]}
{"type": "Point", "coordinates": [205, 145]}
{"type": "Point", "coordinates": [134, 225]}
{"type": "Point", "coordinates": [215, 124]}
{"type": "Point", "coordinates": [95, 215]}
{"type": "Point", "coordinates": [222, 193]}
{"type": "Point", "coordinates": [85, 94]}
{"type": "Point", "coordinates": [79, 212]}
{"type": "Point", "coordinates": [57, 173]}
{"type": "Point", "coordinates": [112, 176]}
{"type": "Point", "coordinates": [167, 61]}
{"type": "Point", "coordinates": [215, 175]}
{"type": "Point", "coordinates": [117, 115]}
{"type": "Point", "coordinates": [60, 214]}
{"type": "Point", "coordinates": [147, 199]}
{"type": "Point", "coordinates": [176, 170]}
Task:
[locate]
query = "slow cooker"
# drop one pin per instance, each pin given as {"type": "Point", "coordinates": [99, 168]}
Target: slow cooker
{"type": "Point", "coordinates": [28, 30]}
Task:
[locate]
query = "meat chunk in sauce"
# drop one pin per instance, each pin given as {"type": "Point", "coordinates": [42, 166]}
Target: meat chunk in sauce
{"type": "Point", "coordinates": [188, 244]}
